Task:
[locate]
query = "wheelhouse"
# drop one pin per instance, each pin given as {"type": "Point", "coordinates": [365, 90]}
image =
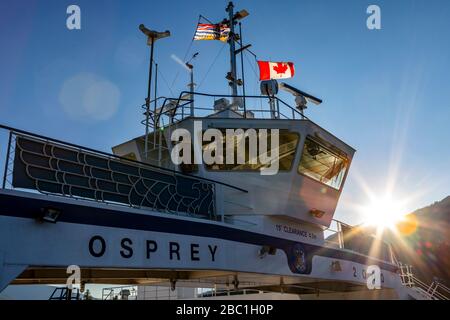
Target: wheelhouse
{"type": "Point", "coordinates": [312, 163]}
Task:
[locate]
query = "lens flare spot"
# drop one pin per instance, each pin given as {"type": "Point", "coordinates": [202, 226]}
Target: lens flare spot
{"type": "Point", "coordinates": [408, 225]}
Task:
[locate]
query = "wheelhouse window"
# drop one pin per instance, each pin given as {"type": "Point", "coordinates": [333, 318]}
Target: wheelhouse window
{"type": "Point", "coordinates": [322, 164]}
{"type": "Point", "coordinates": [288, 142]}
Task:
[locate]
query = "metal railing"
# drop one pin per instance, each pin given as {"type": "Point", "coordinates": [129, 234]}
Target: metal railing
{"type": "Point", "coordinates": [89, 161]}
{"type": "Point", "coordinates": [120, 293]}
{"type": "Point", "coordinates": [333, 235]}
{"type": "Point", "coordinates": [162, 292]}
{"type": "Point", "coordinates": [214, 292]}
{"type": "Point", "coordinates": [181, 108]}
{"type": "Point", "coordinates": [64, 293]}
{"type": "Point", "coordinates": [433, 291]}
{"type": "Point", "coordinates": [344, 236]}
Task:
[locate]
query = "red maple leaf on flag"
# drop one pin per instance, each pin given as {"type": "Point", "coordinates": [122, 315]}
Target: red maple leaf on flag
{"type": "Point", "coordinates": [280, 68]}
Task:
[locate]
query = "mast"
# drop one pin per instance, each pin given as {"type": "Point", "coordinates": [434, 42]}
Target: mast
{"type": "Point", "coordinates": [231, 39]}
{"type": "Point", "coordinates": [191, 85]}
{"type": "Point", "coordinates": [147, 101]}
{"type": "Point", "coordinates": [152, 36]}
{"type": "Point", "coordinates": [191, 88]}
{"type": "Point", "coordinates": [241, 47]}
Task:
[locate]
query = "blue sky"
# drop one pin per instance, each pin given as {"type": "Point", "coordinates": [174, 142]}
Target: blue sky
{"type": "Point", "coordinates": [386, 92]}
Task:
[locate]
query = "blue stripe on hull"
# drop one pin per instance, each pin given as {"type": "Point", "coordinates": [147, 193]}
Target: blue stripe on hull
{"type": "Point", "coordinates": [30, 207]}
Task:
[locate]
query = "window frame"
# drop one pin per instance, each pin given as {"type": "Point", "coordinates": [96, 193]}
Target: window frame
{"type": "Point", "coordinates": [258, 170]}
{"type": "Point", "coordinates": [343, 155]}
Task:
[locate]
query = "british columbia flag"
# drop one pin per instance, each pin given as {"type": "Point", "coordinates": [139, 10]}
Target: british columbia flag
{"type": "Point", "coordinates": [207, 31]}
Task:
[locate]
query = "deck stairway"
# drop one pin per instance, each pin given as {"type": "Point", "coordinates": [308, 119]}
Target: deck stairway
{"type": "Point", "coordinates": [420, 290]}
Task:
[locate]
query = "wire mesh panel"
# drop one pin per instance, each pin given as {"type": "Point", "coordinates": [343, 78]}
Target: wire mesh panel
{"type": "Point", "coordinates": [49, 167]}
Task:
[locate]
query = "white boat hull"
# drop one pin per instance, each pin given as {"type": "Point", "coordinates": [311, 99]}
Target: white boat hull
{"type": "Point", "coordinates": [96, 236]}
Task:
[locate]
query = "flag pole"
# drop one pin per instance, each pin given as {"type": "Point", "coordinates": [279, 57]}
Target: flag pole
{"type": "Point", "coordinates": [233, 83]}
{"type": "Point", "coordinates": [242, 63]}
{"type": "Point", "coordinates": [147, 101]}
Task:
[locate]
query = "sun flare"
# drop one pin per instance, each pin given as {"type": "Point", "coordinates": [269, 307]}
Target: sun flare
{"type": "Point", "coordinates": [384, 212]}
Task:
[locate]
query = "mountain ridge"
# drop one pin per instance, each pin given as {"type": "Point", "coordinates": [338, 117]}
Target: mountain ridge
{"type": "Point", "coordinates": [427, 242]}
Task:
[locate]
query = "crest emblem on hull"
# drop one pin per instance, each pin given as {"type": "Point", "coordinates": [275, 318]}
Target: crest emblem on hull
{"type": "Point", "coordinates": [298, 259]}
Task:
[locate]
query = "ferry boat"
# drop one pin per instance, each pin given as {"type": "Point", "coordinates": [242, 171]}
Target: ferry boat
{"type": "Point", "coordinates": [133, 217]}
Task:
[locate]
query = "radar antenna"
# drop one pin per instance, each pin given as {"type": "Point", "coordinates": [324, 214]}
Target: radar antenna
{"type": "Point", "coordinates": [301, 98]}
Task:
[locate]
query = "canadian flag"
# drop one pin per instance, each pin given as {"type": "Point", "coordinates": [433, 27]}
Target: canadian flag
{"type": "Point", "coordinates": [275, 70]}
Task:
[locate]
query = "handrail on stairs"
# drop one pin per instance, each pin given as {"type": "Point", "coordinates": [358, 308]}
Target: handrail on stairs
{"type": "Point", "coordinates": [431, 291]}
